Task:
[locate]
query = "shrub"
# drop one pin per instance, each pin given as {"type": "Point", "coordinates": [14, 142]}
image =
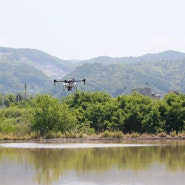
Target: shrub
{"type": "Point", "coordinates": [162, 134]}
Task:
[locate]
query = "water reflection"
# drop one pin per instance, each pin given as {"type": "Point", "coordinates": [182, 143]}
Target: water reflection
{"type": "Point", "coordinates": [92, 165]}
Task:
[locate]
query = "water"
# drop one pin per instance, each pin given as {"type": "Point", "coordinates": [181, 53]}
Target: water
{"type": "Point", "coordinates": [154, 163]}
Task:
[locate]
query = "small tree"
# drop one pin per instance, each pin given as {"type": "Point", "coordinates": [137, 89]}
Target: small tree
{"type": "Point", "coordinates": [176, 112]}
{"type": "Point", "coordinates": [51, 115]}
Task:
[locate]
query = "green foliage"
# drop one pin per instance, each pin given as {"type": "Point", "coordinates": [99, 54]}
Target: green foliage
{"type": "Point", "coordinates": [16, 120]}
{"type": "Point", "coordinates": [132, 111]}
{"type": "Point", "coordinates": [91, 109]}
{"type": "Point", "coordinates": [88, 113]}
{"type": "Point", "coordinates": [51, 115]}
{"type": "Point", "coordinates": [109, 134]}
{"type": "Point", "coordinates": [176, 112]}
{"type": "Point", "coordinates": [6, 100]}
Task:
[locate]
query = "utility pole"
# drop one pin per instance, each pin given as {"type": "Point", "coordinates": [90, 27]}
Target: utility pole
{"type": "Point", "coordinates": [18, 98]}
{"type": "Point", "coordinates": [25, 89]}
{"type": "Point", "coordinates": [3, 99]}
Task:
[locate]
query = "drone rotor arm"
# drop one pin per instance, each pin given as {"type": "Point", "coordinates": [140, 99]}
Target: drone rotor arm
{"type": "Point", "coordinates": [84, 80]}
{"type": "Point", "coordinates": [59, 81]}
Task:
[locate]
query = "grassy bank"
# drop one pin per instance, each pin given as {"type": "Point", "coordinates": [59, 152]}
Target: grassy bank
{"type": "Point", "coordinates": [106, 135]}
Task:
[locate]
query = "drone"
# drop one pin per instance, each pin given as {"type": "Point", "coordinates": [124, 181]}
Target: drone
{"type": "Point", "coordinates": [70, 83]}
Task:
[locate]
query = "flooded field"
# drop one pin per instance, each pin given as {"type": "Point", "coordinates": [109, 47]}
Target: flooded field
{"type": "Point", "coordinates": [128, 163]}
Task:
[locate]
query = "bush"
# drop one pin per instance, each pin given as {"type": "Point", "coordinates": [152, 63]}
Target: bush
{"type": "Point", "coordinates": [162, 134]}
{"type": "Point", "coordinates": [173, 133]}
{"type": "Point", "coordinates": [108, 134]}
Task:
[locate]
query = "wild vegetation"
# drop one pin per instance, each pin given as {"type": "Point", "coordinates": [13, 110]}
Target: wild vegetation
{"type": "Point", "coordinates": [86, 113]}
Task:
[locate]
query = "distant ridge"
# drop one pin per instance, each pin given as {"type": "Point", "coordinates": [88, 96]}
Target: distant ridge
{"type": "Point", "coordinates": [31, 66]}
{"type": "Point", "coordinates": [165, 55]}
{"type": "Point", "coordinates": [51, 66]}
{"type": "Point", "coordinates": [162, 72]}
{"type": "Point", "coordinates": [37, 56]}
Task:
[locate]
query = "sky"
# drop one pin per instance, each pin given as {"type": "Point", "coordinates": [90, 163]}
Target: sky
{"type": "Point", "coordinates": [84, 29]}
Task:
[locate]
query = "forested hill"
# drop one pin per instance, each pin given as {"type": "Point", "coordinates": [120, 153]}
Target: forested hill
{"type": "Point", "coordinates": [32, 67]}
{"type": "Point", "coordinates": [162, 72]}
{"type": "Point", "coordinates": [51, 66]}
{"type": "Point", "coordinates": [161, 75]}
{"type": "Point", "coordinates": [169, 55]}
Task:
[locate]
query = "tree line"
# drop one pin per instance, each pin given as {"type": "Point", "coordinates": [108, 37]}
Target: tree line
{"type": "Point", "coordinates": [91, 112]}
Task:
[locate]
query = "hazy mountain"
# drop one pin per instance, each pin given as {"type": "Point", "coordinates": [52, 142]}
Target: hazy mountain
{"type": "Point", "coordinates": [35, 68]}
{"type": "Point", "coordinates": [14, 76]}
{"type": "Point", "coordinates": [120, 78]}
{"type": "Point", "coordinates": [51, 66]}
{"type": "Point", "coordinates": [166, 55]}
{"type": "Point", "coordinates": [162, 72]}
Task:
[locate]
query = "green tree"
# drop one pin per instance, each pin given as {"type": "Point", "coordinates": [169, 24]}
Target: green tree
{"type": "Point", "coordinates": [16, 120]}
{"type": "Point", "coordinates": [176, 112]}
{"type": "Point", "coordinates": [152, 121]}
{"type": "Point", "coordinates": [134, 107]}
{"type": "Point", "coordinates": [6, 100]}
{"type": "Point", "coordinates": [51, 115]}
{"type": "Point", "coordinates": [91, 109]}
